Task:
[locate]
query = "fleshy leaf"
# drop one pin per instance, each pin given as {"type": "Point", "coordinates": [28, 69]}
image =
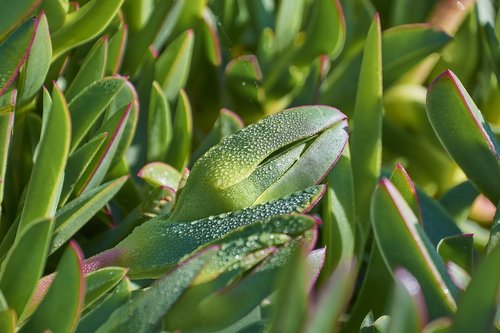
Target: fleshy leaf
{"type": "Point", "coordinates": [24, 264]}
{"type": "Point", "coordinates": [37, 64]}
{"type": "Point", "coordinates": [180, 147]}
{"type": "Point", "coordinates": [84, 24]}
{"type": "Point", "coordinates": [464, 133]}
{"type": "Point", "coordinates": [100, 282]}
{"type": "Point", "coordinates": [237, 157]}
{"type": "Point", "coordinates": [14, 52]}
{"type": "Point", "coordinates": [156, 245]}
{"type": "Point", "coordinates": [160, 174]}
{"type": "Point", "coordinates": [146, 310]}
{"type": "Point", "coordinates": [13, 13]}
{"type": "Point", "coordinates": [47, 175]}
{"type": "Point", "coordinates": [73, 216]}
{"type": "Point", "coordinates": [61, 307]}
{"type": "Point", "coordinates": [402, 243]}
{"type": "Point", "coordinates": [366, 138]}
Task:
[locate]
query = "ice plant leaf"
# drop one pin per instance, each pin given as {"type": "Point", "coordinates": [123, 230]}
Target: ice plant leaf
{"type": "Point", "coordinates": [160, 174]}
{"type": "Point", "coordinates": [213, 184]}
{"type": "Point", "coordinates": [37, 65]}
{"type": "Point", "coordinates": [464, 133]}
{"type": "Point", "coordinates": [101, 311]}
{"type": "Point", "coordinates": [24, 264]}
{"type": "Point", "coordinates": [480, 300]}
{"type": "Point", "coordinates": [408, 312]}
{"type": "Point", "coordinates": [89, 104]}
{"type": "Point", "coordinates": [91, 69]}
{"type": "Point", "coordinates": [172, 67]}
{"type": "Point", "coordinates": [403, 244]}
{"type": "Point", "coordinates": [61, 307]}
{"type": "Point", "coordinates": [13, 13]}
{"type": "Point", "coordinates": [156, 245]}
{"type": "Point", "coordinates": [14, 51]}
{"type": "Point", "coordinates": [100, 282]}
{"type": "Point", "coordinates": [73, 216]}
{"type": "Point", "coordinates": [366, 138]}
{"type": "Point", "coordinates": [333, 299]}
{"type": "Point", "coordinates": [180, 147]}
{"type": "Point", "coordinates": [143, 312]}
{"type": "Point", "coordinates": [6, 126]}
{"type": "Point", "coordinates": [406, 188]}
{"type": "Point", "coordinates": [458, 249]}
{"type": "Point", "coordinates": [325, 32]}
{"type": "Point", "coordinates": [47, 175]}
{"type": "Point", "coordinates": [160, 128]}
{"type": "Point", "coordinates": [84, 24]}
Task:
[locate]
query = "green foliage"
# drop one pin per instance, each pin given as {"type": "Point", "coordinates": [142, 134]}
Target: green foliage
{"type": "Point", "coordinates": [122, 128]}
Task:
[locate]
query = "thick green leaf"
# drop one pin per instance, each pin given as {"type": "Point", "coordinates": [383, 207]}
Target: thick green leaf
{"type": "Point", "coordinates": [100, 313]}
{"type": "Point", "coordinates": [224, 167]}
{"type": "Point", "coordinates": [78, 163]}
{"type": "Point", "coordinates": [248, 245]}
{"type": "Point", "coordinates": [227, 123]}
{"type": "Point", "coordinates": [56, 11]}
{"type": "Point", "coordinates": [437, 222]}
{"type": "Point", "coordinates": [146, 310]}
{"type": "Point", "coordinates": [24, 264]}
{"type": "Point", "coordinates": [243, 77]}
{"type": "Point", "coordinates": [372, 296]}
{"type": "Point", "coordinates": [338, 215]}
{"type": "Point", "coordinates": [288, 23]}
{"type": "Point", "coordinates": [84, 24]}
{"type": "Point", "coordinates": [8, 320]}
{"type": "Point", "coordinates": [224, 306]}
{"type": "Point", "coordinates": [47, 175]}
{"type": "Point", "coordinates": [325, 32]}
{"type": "Point", "coordinates": [290, 302]}
{"type": "Point", "coordinates": [406, 45]}
{"type": "Point", "coordinates": [366, 138]}
{"type": "Point", "coordinates": [89, 104]}
{"type": "Point", "coordinates": [458, 200]}
{"type": "Point", "coordinates": [412, 42]}
{"type": "Point", "coordinates": [464, 133]}
{"type": "Point", "coordinates": [404, 184]}
{"type": "Point", "coordinates": [91, 69]}
{"type": "Point", "coordinates": [116, 49]}
{"type": "Point", "coordinates": [73, 216]}
{"type": "Point", "coordinates": [160, 174]}
{"type": "Point", "coordinates": [477, 306]}
{"type": "Point", "coordinates": [139, 42]}
{"type": "Point", "coordinates": [37, 65]}
{"type": "Point", "coordinates": [60, 309]}
{"type": "Point", "coordinates": [14, 52]}
{"type": "Point", "coordinates": [172, 67]}
{"type": "Point", "coordinates": [408, 312]}
{"type": "Point", "coordinates": [333, 299]}
{"type": "Point", "coordinates": [156, 245]}
{"type": "Point", "coordinates": [160, 130]}
{"type": "Point", "coordinates": [312, 166]}
{"type": "Point", "coordinates": [458, 249]}
{"type": "Point", "coordinates": [180, 147]}
{"type": "Point", "coordinates": [100, 282]}
{"type": "Point", "coordinates": [95, 173]}
{"type": "Point", "coordinates": [210, 37]}
{"type": "Point", "coordinates": [6, 126]}
{"type": "Point", "coordinates": [14, 12]}
{"type": "Point", "coordinates": [402, 243]}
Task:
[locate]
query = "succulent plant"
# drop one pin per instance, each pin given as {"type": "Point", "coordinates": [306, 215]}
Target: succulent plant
{"type": "Point", "coordinates": [362, 194]}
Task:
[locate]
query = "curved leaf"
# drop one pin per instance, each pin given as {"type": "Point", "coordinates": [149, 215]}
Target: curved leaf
{"type": "Point", "coordinates": [464, 133]}
{"type": "Point", "coordinates": [231, 162]}
{"type": "Point", "coordinates": [60, 309]}
{"type": "Point", "coordinates": [47, 175]}
{"type": "Point", "coordinates": [14, 12]}
{"type": "Point", "coordinates": [403, 244]}
{"type": "Point", "coordinates": [24, 264]}
{"type": "Point", "coordinates": [84, 24]}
